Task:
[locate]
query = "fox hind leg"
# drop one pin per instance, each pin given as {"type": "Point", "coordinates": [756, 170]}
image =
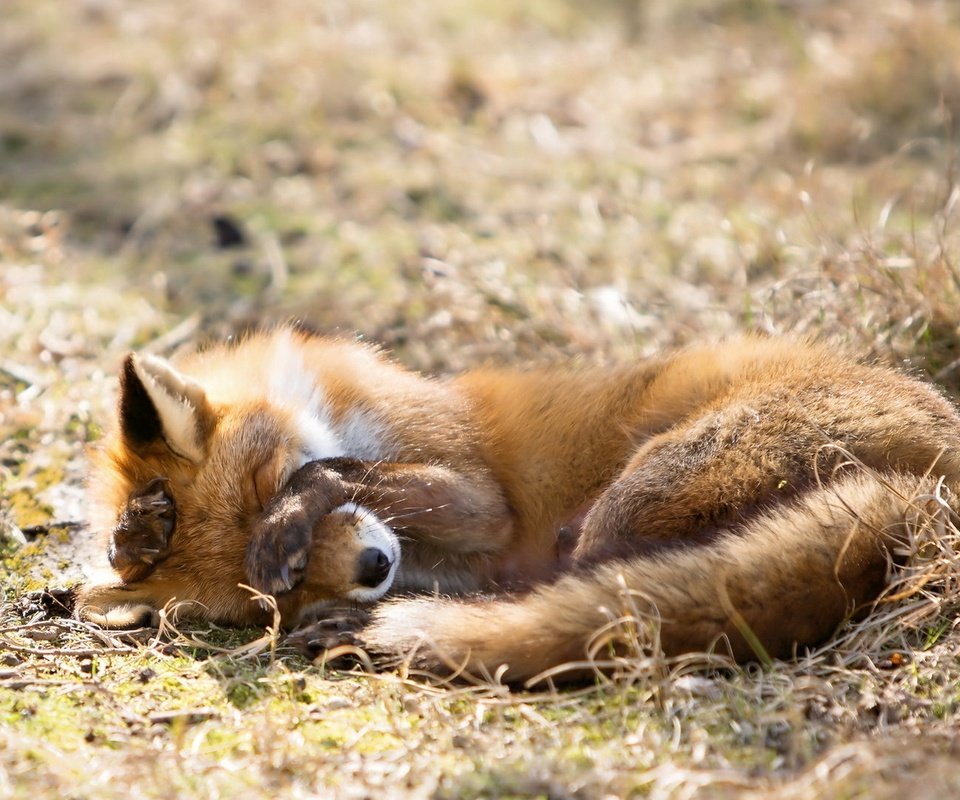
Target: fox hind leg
{"type": "Point", "coordinates": [692, 484]}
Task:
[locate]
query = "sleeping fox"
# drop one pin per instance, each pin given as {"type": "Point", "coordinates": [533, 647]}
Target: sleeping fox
{"type": "Point", "coordinates": [755, 492]}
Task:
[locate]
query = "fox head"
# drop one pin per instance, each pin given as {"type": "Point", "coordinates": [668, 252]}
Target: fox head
{"type": "Point", "coordinates": [191, 462]}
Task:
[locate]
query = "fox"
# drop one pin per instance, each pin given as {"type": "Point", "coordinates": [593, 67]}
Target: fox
{"type": "Point", "coordinates": [750, 495]}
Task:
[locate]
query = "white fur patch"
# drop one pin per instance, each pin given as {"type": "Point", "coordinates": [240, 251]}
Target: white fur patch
{"type": "Point", "coordinates": [178, 417]}
{"type": "Point", "coordinates": [317, 437]}
{"type": "Point", "coordinates": [292, 386]}
{"type": "Point", "coordinates": [362, 436]}
{"type": "Point", "coordinates": [373, 533]}
{"type": "Point", "coordinates": [290, 383]}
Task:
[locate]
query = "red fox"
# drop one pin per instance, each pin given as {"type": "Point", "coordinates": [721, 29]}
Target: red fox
{"type": "Point", "coordinates": [755, 492]}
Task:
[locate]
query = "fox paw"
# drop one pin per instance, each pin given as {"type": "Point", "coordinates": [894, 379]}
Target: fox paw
{"type": "Point", "coordinates": [279, 550]}
{"type": "Point", "coordinates": [324, 637]}
{"type": "Point", "coordinates": [143, 532]}
{"type": "Point", "coordinates": [279, 547]}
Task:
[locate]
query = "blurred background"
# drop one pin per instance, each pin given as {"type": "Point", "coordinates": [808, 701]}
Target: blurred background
{"type": "Point", "coordinates": [469, 180]}
{"type": "Point", "coordinates": [466, 181]}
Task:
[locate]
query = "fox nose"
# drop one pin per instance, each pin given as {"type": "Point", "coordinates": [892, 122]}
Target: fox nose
{"type": "Point", "coordinates": [373, 566]}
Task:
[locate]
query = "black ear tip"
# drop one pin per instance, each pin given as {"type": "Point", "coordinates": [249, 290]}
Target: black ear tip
{"type": "Point", "coordinates": [128, 372]}
{"type": "Point", "coordinates": [129, 380]}
{"type": "Point", "coordinates": [139, 419]}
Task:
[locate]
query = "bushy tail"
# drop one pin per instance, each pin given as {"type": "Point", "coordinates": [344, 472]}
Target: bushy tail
{"type": "Point", "coordinates": [788, 579]}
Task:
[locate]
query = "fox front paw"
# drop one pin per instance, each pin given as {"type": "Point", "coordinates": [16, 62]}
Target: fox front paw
{"type": "Point", "coordinates": [279, 551]}
{"type": "Point", "coordinates": [279, 548]}
{"type": "Point", "coordinates": [142, 535]}
{"type": "Point", "coordinates": [326, 636]}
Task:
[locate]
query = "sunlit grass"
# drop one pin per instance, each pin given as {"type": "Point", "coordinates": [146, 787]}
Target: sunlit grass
{"type": "Point", "coordinates": [464, 182]}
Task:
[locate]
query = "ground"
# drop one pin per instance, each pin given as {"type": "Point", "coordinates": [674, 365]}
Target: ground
{"type": "Point", "coordinates": [465, 182]}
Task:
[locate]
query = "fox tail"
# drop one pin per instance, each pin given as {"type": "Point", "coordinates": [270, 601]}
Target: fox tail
{"type": "Point", "coordinates": [785, 580]}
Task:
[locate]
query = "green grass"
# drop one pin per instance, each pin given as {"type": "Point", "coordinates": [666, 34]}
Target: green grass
{"type": "Point", "coordinates": [465, 182]}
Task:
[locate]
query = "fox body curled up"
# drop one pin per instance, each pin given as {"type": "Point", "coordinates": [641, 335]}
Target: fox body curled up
{"type": "Point", "coordinates": [756, 491]}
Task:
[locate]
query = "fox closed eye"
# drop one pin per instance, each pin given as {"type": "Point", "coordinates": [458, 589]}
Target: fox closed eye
{"type": "Point", "coordinates": [267, 479]}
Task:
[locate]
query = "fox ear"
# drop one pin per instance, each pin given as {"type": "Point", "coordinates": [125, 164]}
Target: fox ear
{"type": "Point", "coordinates": [157, 402]}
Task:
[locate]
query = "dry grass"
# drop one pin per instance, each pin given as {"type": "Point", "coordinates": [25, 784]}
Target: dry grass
{"type": "Point", "coordinates": [466, 182]}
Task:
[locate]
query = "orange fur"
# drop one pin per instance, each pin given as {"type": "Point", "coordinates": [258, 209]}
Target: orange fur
{"type": "Point", "coordinates": [715, 484]}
